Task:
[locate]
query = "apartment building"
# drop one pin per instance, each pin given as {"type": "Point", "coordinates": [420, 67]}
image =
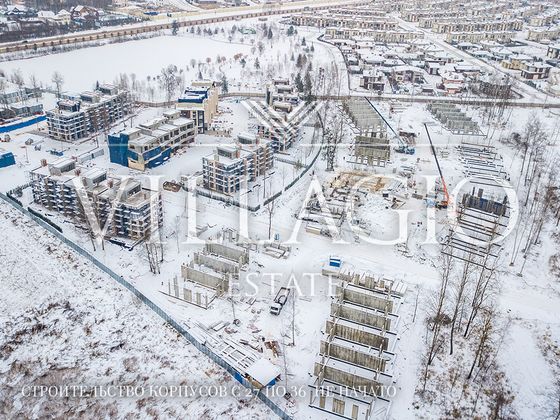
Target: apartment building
{"type": "Point", "coordinates": [477, 37]}
{"type": "Point", "coordinates": [199, 103]}
{"type": "Point", "coordinates": [385, 37]}
{"type": "Point", "coordinates": [250, 158]}
{"type": "Point", "coordinates": [122, 204]}
{"type": "Point", "coordinates": [545, 18]}
{"type": "Point", "coordinates": [543, 33]}
{"type": "Point", "coordinates": [77, 117]}
{"type": "Point", "coordinates": [476, 25]}
{"type": "Point", "coordinates": [324, 20]}
{"type": "Point", "coordinates": [152, 143]}
{"type": "Point", "coordinates": [553, 51]}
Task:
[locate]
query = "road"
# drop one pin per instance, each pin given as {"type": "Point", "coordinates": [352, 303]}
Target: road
{"type": "Point", "coordinates": [517, 103]}
{"type": "Point", "coordinates": [193, 18]}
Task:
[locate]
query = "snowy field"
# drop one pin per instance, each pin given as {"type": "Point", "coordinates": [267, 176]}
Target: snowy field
{"type": "Point", "coordinates": [64, 321]}
{"type": "Point", "coordinates": [213, 55]}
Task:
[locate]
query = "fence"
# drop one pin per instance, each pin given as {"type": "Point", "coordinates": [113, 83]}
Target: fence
{"type": "Point", "coordinates": [180, 329]}
{"type": "Point", "coordinates": [22, 124]}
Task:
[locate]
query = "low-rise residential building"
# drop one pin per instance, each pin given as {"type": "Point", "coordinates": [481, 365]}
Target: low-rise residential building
{"type": "Point", "coordinates": [389, 36]}
{"type": "Point", "coordinates": [541, 34]}
{"type": "Point", "coordinates": [372, 80]}
{"type": "Point", "coordinates": [225, 169]}
{"type": "Point", "coordinates": [402, 74]}
{"type": "Point", "coordinates": [477, 37]}
{"type": "Point", "coordinates": [121, 205]}
{"type": "Point", "coordinates": [10, 93]}
{"type": "Point", "coordinates": [151, 143]}
{"type": "Point", "coordinates": [553, 51]}
{"type": "Point", "coordinates": [535, 71]}
{"type": "Point", "coordinates": [545, 18]}
{"type": "Point", "coordinates": [199, 103]}
{"type": "Point", "coordinates": [78, 117]}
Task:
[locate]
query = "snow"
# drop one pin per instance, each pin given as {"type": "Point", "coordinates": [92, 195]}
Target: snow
{"type": "Point", "coordinates": [38, 271]}
{"type": "Point", "coordinates": [66, 323]}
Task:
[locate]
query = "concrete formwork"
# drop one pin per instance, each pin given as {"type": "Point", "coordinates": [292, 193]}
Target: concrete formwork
{"type": "Point", "coordinates": [354, 353]}
{"type": "Point", "coordinates": [216, 263]}
{"type": "Point", "coordinates": [358, 333]}
{"type": "Point", "coordinates": [231, 252]}
{"type": "Point", "coordinates": [369, 281]}
{"type": "Point", "coordinates": [341, 373]}
{"type": "Point", "coordinates": [216, 282]}
{"type": "Point", "coordinates": [360, 315]}
{"type": "Point", "coordinates": [190, 292]}
{"type": "Point", "coordinates": [368, 298]}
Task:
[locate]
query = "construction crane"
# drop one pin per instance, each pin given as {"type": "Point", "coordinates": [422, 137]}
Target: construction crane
{"type": "Point", "coordinates": [444, 203]}
{"type": "Point", "coordinates": [403, 147]}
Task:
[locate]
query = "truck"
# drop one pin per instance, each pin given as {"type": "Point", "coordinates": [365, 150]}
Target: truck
{"type": "Point", "coordinates": [279, 300]}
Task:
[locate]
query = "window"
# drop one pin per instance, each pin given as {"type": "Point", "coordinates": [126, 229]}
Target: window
{"type": "Point", "coordinates": [338, 406]}
{"type": "Point", "coordinates": [355, 409]}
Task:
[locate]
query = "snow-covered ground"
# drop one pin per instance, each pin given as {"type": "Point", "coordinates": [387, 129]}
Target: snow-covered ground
{"type": "Point", "coordinates": [65, 323]}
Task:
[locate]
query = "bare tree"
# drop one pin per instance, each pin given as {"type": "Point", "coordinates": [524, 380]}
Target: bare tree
{"type": "Point", "coordinates": [17, 79]}
{"type": "Point", "coordinates": [3, 96]}
{"type": "Point", "coordinates": [169, 81]}
{"type": "Point", "coordinates": [483, 339]}
{"type": "Point", "coordinates": [58, 81]}
{"type": "Point", "coordinates": [437, 318]}
{"type": "Point", "coordinates": [270, 209]}
{"type": "Point", "coordinates": [459, 291]}
{"type": "Point", "coordinates": [35, 85]}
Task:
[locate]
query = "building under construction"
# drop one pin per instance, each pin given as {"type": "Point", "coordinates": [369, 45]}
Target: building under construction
{"type": "Point", "coordinates": [454, 119]}
{"type": "Point", "coordinates": [207, 276]}
{"type": "Point", "coordinates": [84, 194]}
{"type": "Point", "coordinates": [371, 144]}
{"type": "Point", "coordinates": [357, 350]}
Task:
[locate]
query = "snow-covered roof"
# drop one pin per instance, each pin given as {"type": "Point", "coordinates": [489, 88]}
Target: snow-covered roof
{"type": "Point", "coordinates": [263, 371]}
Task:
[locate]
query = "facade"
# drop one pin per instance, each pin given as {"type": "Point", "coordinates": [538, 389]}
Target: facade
{"type": "Point", "coordinates": [152, 143]}
{"type": "Point", "coordinates": [123, 205]}
{"type": "Point", "coordinates": [545, 33]}
{"type": "Point", "coordinates": [10, 93]}
{"type": "Point", "coordinates": [199, 103]}
{"type": "Point", "coordinates": [77, 117]}
{"type": "Point", "coordinates": [372, 80]}
{"type": "Point", "coordinates": [332, 19]}
{"type": "Point", "coordinates": [228, 166]}
{"type": "Point", "coordinates": [553, 51]}
{"type": "Point", "coordinates": [389, 37]}
{"type": "Point", "coordinates": [535, 71]}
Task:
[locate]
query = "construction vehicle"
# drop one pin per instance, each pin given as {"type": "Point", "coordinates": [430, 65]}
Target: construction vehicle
{"type": "Point", "coordinates": [280, 300]}
{"type": "Point", "coordinates": [443, 204]}
{"type": "Point", "coordinates": [407, 150]}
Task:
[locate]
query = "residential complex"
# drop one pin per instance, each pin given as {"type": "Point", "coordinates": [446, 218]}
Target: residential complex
{"type": "Point", "coordinates": [79, 116]}
{"type": "Point", "coordinates": [151, 143]}
{"type": "Point", "coordinates": [123, 205]}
